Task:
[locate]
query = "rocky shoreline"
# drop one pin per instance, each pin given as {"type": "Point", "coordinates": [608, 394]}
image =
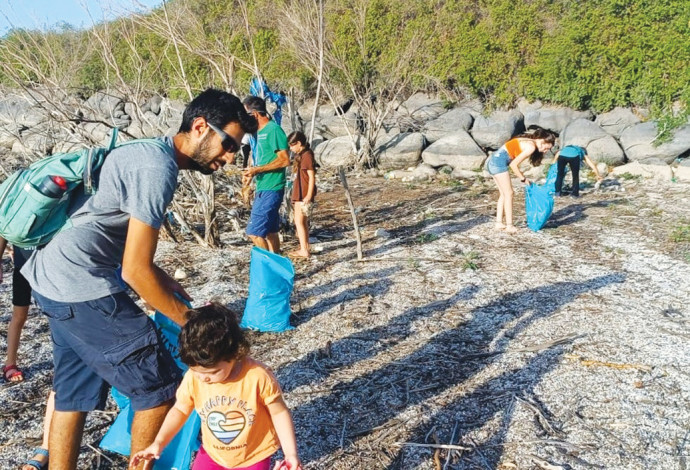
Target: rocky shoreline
{"type": "Point", "coordinates": [424, 134]}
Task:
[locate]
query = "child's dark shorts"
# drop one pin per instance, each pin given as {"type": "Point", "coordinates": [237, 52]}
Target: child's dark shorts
{"type": "Point", "coordinates": [107, 342]}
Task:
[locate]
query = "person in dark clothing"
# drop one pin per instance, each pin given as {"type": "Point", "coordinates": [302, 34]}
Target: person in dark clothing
{"type": "Point", "coordinates": [573, 155]}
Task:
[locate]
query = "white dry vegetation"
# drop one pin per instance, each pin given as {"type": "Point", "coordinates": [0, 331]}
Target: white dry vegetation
{"type": "Point", "coordinates": [452, 346]}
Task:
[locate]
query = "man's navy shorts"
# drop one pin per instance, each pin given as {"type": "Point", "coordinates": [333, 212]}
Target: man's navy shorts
{"type": "Point", "coordinates": [107, 342]}
{"type": "Point", "coordinates": [264, 218]}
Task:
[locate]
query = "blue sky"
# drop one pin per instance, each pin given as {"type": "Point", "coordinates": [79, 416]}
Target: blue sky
{"type": "Point", "coordinates": [41, 14]}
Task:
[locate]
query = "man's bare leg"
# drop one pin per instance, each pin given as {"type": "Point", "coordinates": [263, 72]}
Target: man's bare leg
{"type": "Point", "coordinates": [273, 242]}
{"type": "Point", "coordinates": [45, 444]}
{"type": "Point", "coordinates": [145, 426]}
{"type": "Point", "coordinates": [66, 431]}
{"type": "Point", "coordinates": [258, 241]}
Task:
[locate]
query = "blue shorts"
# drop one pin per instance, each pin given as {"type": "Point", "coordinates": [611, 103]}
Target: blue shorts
{"type": "Point", "coordinates": [107, 342]}
{"type": "Point", "coordinates": [264, 218]}
{"type": "Point", "coordinates": [498, 162]}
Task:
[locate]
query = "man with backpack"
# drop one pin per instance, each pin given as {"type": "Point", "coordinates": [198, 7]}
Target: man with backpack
{"type": "Point", "coordinates": [101, 338]}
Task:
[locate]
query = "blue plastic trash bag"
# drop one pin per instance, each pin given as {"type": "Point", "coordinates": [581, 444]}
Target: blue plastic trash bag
{"type": "Point", "coordinates": [271, 278]}
{"type": "Point", "coordinates": [178, 454]}
{"type": "Point", "coordinates": [259, 88]}
{"type": "Point", "coordinates": [539, 200]}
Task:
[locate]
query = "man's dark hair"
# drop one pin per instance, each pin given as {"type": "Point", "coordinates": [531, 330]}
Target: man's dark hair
{"type": "Point", "coordinates": [211, 335]}
{"type": "Point", "coordinates": [255, 103]}
{"type": "Point", "coordinates": [219, 108]}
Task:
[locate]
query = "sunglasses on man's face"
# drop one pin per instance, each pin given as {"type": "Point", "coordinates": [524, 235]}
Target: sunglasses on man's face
{"type": "Point", "coordinates": [229, 144]}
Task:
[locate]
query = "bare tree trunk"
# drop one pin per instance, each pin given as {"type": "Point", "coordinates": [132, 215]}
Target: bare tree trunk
{"type": "Point", "coordinates": [320, 76]}
{"type": "Point", "coordinates": [173, 37]}
{"type": "Point", "coordinates": [348, 196]}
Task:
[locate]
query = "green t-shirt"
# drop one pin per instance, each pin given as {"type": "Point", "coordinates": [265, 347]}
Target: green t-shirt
{"type": "Point", "coordinates": [269, 140]}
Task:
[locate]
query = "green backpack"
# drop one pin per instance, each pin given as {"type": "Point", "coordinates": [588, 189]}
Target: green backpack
{"type": "Point", "coordinates": [35, 201]}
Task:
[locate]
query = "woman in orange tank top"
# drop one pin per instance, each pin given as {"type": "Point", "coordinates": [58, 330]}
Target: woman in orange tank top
{"type": "Point", "coordinates": [531, 145]}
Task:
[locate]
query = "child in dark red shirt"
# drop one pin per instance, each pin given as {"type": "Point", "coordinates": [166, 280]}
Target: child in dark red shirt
{"type": "Point", "coordinates": [303, 189]}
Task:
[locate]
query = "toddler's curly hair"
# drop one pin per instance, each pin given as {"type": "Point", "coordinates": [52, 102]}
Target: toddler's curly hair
{"type": "Point", "coordinates": [211, 335]}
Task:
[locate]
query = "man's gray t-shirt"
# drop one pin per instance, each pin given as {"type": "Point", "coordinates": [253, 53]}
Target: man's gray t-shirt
{"type": "Point", "coordinates": [81, 263]}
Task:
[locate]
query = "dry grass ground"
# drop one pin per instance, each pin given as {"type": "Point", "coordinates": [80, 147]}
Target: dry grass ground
{"type": "Point", "coordinates": [451, 345]}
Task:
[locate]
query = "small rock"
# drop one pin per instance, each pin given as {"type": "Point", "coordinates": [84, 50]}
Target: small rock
{"type": "Point", "coordinates": [180, 274]}
{"type": "Point", "coordinates": [382, 233]}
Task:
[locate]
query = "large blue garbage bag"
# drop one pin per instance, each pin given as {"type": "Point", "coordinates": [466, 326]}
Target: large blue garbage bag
{"type": "Point", "coordinates": [178, 454]}
{"type": "Point", "coordinates": [539, 200]}
{"type": "Point", "coordinates": [271, 279]}
{"type": "Point", "coordinates": [259, 88]}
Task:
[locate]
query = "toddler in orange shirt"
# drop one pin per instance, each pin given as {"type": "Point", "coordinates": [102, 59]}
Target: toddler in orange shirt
{"type": "Point", "coordinates": [244, 419]}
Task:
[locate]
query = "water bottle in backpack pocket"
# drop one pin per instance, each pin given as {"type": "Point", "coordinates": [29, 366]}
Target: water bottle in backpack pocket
{"type": "Point", "coordinates": [35, 202]}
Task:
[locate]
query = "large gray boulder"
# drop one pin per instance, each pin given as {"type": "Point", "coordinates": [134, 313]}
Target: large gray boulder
{"type": "Point", "coordinates": [402, 151]}
{"type": "Point", "coordinates": [458, 150]}
{"type": "Point", "coordinates": [38, 140]}
{"type": "Point", "coordinates": [525, 106]}
{"type": "Point", "coordinates": [170, 115]}
{"type": "Point", "coordinates": [638, 143]}
{"type": "Point", "coordinates": [338, 126]}
{"type": "Point", "coordinates": [474, 106]}
{"type": "Point", "coordinates": [97, 131]}
{"type": "Point", "coordinates": [148, 125]}
{"type": "Point", "coordinates": [617, 120]}
{"type": "Point", "coordinates": [153, 104]}
{"type": "Point", "coordinates": [18, 110]}
{"type": "Point", "coordinates": [289, 126]}
{"type": "Point", "coordinates": [334, 152]}
{"type": "Point", "coordinates": [496, 129]}
{"type": "Point", "coordinates": [422, 107]}
{"type": "Point", "coordinates": [606, 150]}
{"type": "Point", "coordinates": [600, 145]}
{"type": "Point", "coordinates": [306, 110]}
{"type": "Point", "coordinates": [454, 120]}
{"type": "Point", "coordinates": [553, 118]}
{"type": "Point", "coordinates": [9, 134]}
{"type": "Point", "coordinates": [103, 105]}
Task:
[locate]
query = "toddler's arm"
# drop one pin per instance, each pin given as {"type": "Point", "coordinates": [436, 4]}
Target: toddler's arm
{"type": "Point", "coordinates": [282, 422]}
{"type": "Point", "coordinates": [172, 424]}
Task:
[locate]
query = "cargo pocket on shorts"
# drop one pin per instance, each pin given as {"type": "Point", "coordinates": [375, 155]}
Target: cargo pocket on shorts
{"type": "Point", "coordinates": [136, 364]}
{"type": "Point", "coordinates": [58, 312]}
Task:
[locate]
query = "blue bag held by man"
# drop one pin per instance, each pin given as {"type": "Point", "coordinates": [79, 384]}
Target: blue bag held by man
{"type": "Point", "coordinates": [178, 454]}
{"type": "Point", "coordinates": [271, 280]}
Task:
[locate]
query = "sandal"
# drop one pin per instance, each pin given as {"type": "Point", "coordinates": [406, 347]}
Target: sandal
{"type": "Point", "coordinates": [13, 373]}
{"type": "Point", "coordinates": [35, 463]}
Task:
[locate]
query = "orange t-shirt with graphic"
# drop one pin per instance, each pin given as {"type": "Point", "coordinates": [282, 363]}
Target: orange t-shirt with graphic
{"type": "Point", "coordinates": [236, 427]}
{"type": "Point", "coordinates": [513, 148]}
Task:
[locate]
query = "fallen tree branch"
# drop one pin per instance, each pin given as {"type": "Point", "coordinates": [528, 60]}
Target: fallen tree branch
{"type": "Point", "coordinates": [431, 446]}
{"type": "Point", "coordinates": [613, 365]}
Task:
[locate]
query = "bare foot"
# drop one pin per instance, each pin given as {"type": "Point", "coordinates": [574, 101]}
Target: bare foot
{"type": "Point", "coordinates": [499, 226]}
{"type": "Point", "coordinates": [299, 254]}
{"type": "Point", "coordinates": [511, 229]}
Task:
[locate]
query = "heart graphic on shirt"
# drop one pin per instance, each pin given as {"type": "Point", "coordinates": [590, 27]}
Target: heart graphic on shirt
{"type": "Point", "coordinates": [226, 427]}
